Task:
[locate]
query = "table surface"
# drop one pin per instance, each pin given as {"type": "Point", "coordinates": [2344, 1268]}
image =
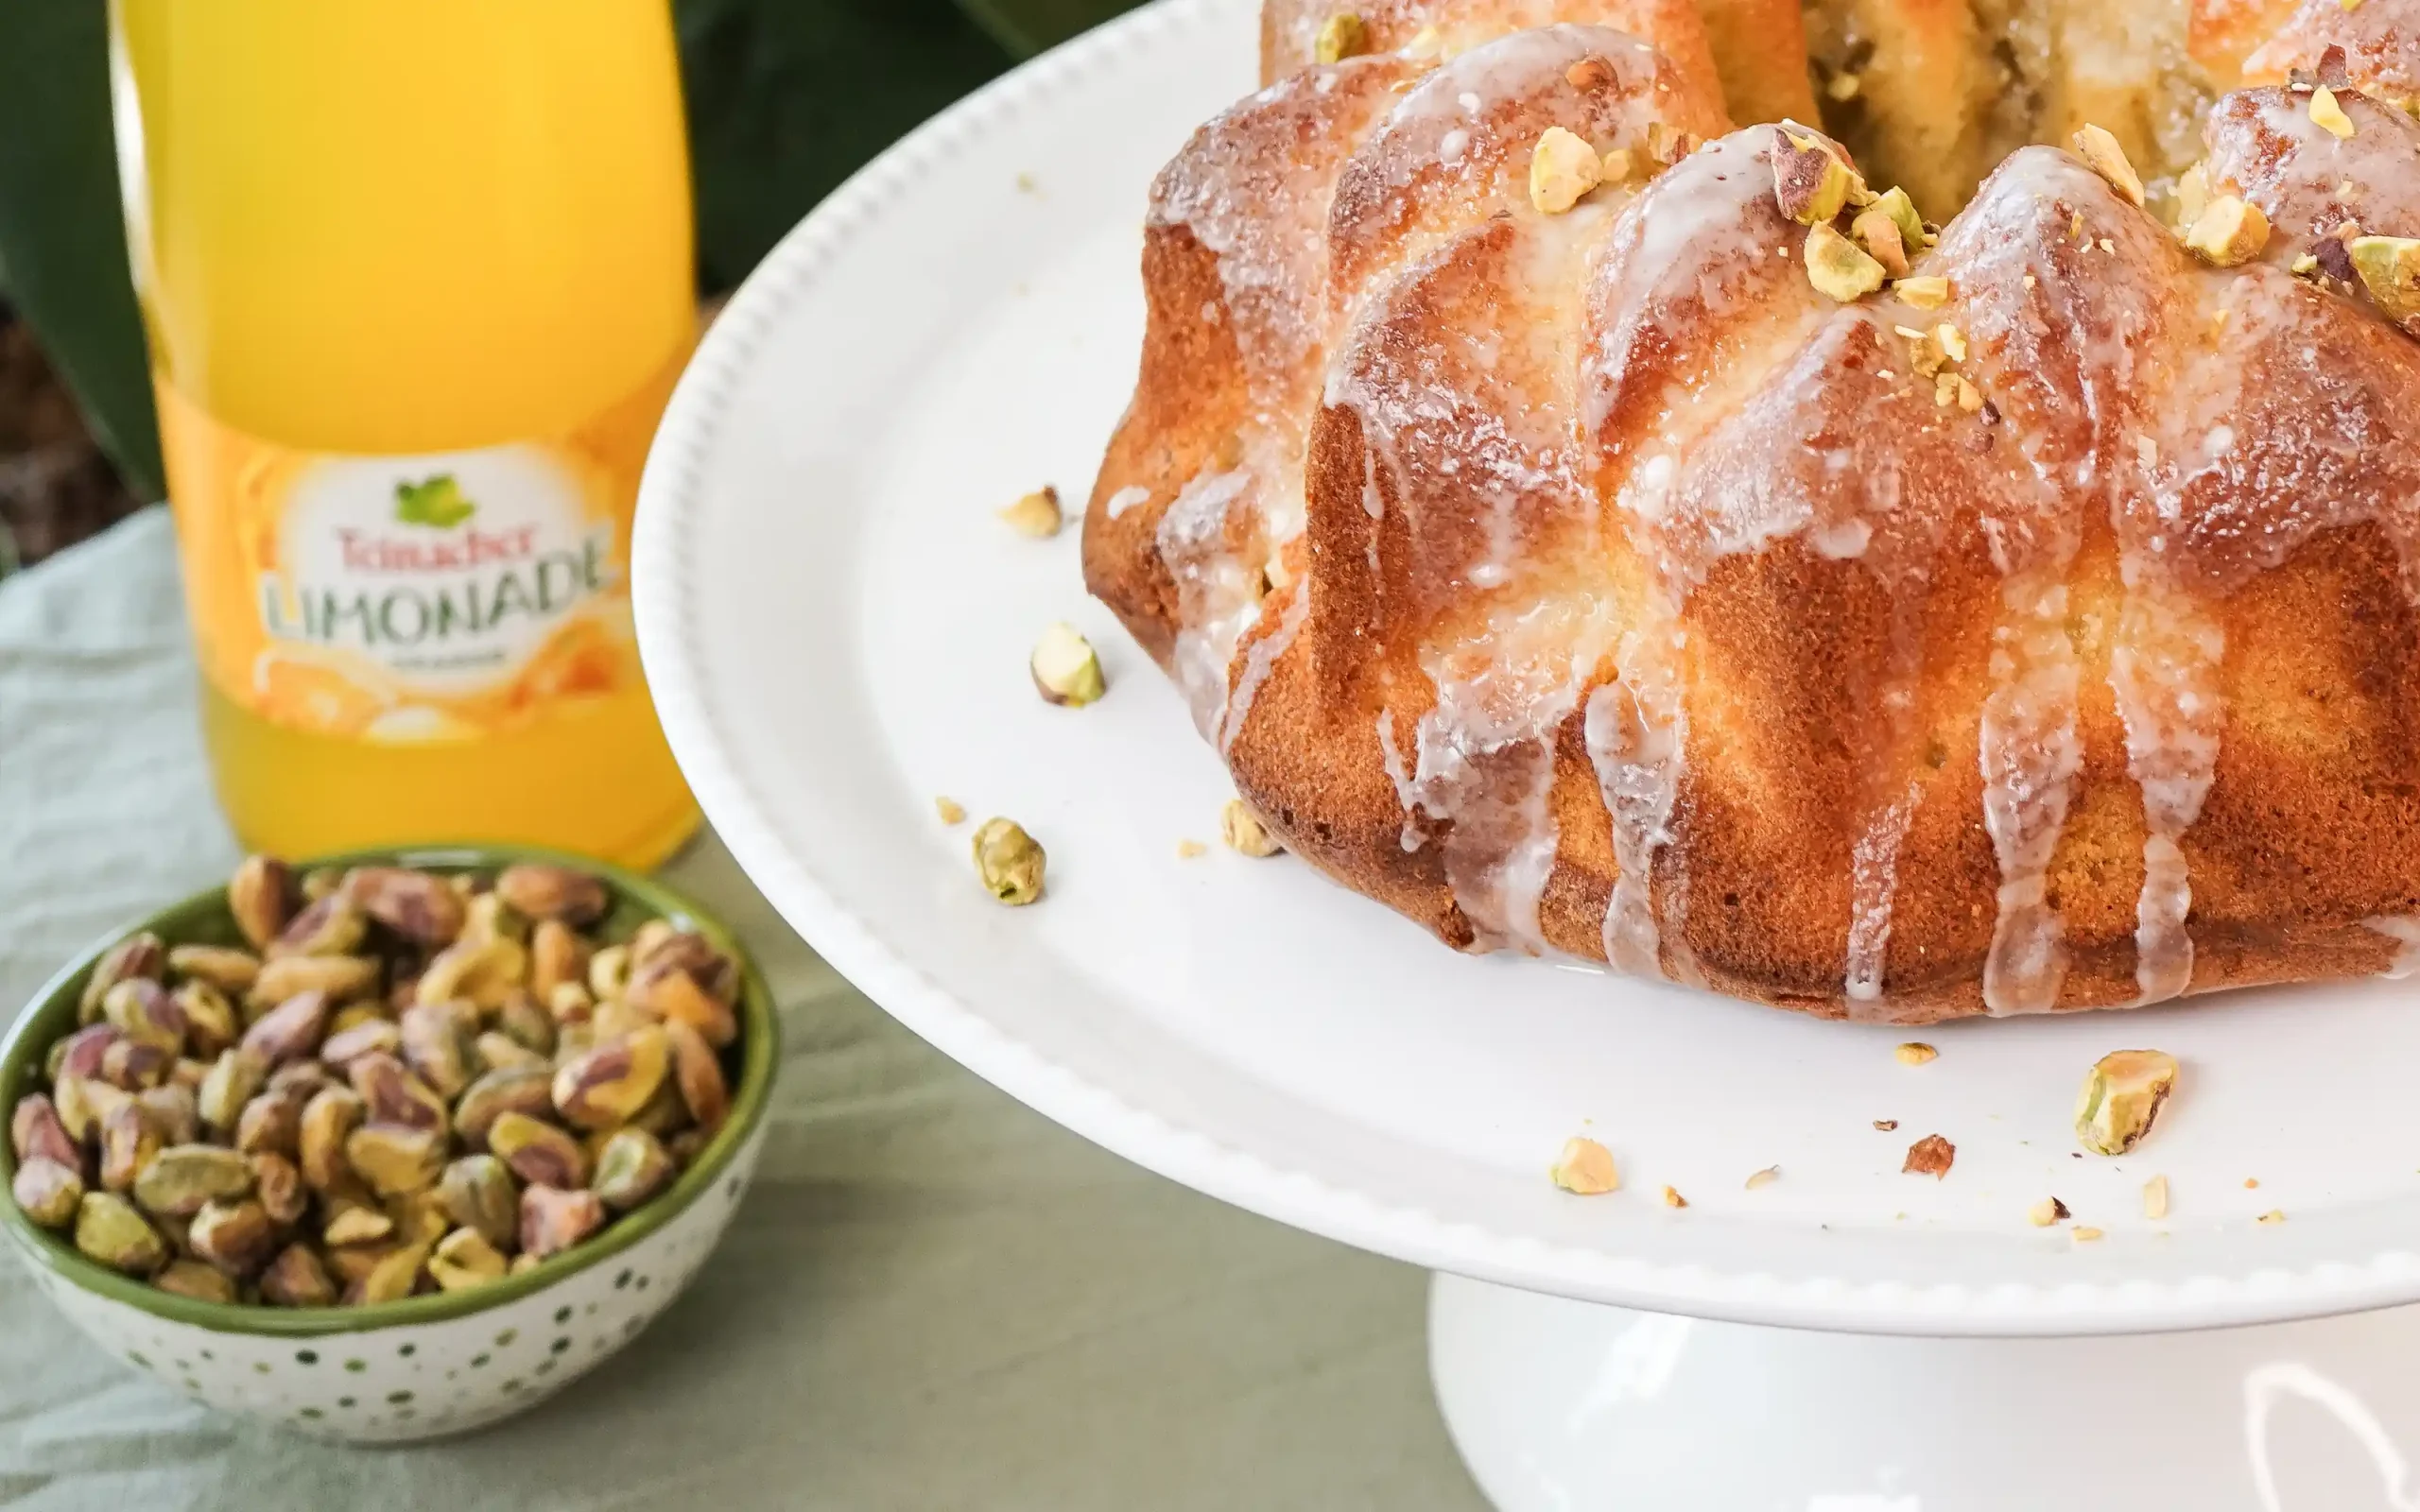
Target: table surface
{"type": "Point", "coordinates": [932, 1298]}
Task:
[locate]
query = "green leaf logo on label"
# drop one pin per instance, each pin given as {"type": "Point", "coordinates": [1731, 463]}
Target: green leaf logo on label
{"type": "Point", "coordinates": [437, 502]}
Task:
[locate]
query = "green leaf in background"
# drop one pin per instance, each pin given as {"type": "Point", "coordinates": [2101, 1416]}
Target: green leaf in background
{"type": "Point", "coordinates": [1029, 27]}
{"type": "Point", "coordinates": [788, 98]}
{"type": "Point", "coordinates": [62, 243]}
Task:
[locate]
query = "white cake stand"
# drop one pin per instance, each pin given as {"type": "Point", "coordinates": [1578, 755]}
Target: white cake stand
{"type": "Point", "coordinates": [836, 628]}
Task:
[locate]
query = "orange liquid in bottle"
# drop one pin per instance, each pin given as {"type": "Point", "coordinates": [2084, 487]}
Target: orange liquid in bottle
{"type": "Point", "coordinates": [418, 279]}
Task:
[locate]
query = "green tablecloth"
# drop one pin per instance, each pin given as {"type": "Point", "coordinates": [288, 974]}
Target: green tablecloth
{"type": "Point", "coordinates": [932, 1299]}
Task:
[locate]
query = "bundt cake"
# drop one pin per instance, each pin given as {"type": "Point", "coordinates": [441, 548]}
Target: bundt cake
{"type": "Point", "coordinates": [1586, 527]}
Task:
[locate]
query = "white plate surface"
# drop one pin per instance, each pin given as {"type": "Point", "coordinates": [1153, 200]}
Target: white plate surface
{"type": "Point", "coordinates": [836, 628]}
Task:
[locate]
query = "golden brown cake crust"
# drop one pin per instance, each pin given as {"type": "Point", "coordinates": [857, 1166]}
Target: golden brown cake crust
{"type": "Point", "coordinates": [1591, 583]}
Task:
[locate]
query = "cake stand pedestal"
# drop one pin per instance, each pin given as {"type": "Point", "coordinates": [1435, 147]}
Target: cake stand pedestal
{"type": "Point", "coordinates": [1560, 1406]}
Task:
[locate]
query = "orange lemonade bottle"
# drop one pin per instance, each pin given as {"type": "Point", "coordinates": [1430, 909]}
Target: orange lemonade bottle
{"type": "Point", "coordinates": [417, 277]}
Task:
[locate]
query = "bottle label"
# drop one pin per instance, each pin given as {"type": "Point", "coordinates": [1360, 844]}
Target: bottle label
{"type": "Point", "coordinates": [401, 600]}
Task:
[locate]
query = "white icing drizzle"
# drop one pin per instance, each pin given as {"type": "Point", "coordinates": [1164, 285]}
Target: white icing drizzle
{"type": "Point", "coordinates": [2406, 932]}
{"type": "Point", "coordinates": [1637, 738]}
{"type": "Point", "coordinates": [1874, 886]}
{"type": "Point", "coordinates": [1125, 499]}
{"type": "Point", "coordinates": [2030, 755]}
{"type": "Point", "coordinates": [1484, 758]}
{"type": "Point", "coordinates": [1260, 658]}
{"type": "Point", "coordinates": [1217, 594]}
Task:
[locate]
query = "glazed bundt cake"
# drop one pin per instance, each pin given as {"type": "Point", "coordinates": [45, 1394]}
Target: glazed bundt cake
{"type": "Point", "coordinates": [1587, 527]}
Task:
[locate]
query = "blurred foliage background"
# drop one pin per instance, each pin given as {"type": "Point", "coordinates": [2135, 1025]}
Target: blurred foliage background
{"type": "Point", "coordinates": [786, 100]}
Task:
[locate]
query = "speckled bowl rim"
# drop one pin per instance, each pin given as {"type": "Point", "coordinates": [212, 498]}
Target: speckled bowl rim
{"type": "Point", "coordinates": [28, 1040]}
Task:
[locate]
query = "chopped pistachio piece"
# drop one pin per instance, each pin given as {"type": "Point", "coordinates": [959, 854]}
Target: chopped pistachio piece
{"type": "Point", "coordinates": [1915, 1052]}
{"type": "Point", "coordinates": [2155, 1198]}
{"type": "Point", "coordinates": [1585, 1168]}
{"type": "Point", "coordinates": [1010, 861]}
{"type": "Point", "coordinates": [2102, 155]}
{"type": "Point", "coordinates": [2046, 1213]}
{"type": "Point", "coordinates": [1923, 291]}
{"type": "Point", "coordinates": [1066, 669]}
{"type": "Point", "coordinates": [2122, 1094]}
{"type": "Point", "coordinates": [2329, 116]}
{"type": "Point", "coordinates": [1879, 235]}
{"type": "Point", "coordinates": [1839, 268]}
{"type": "Point", "coordinates": [1244, 832]}
{"type": "Point", "coordinates": [1810, 182]}
{"type": "Point", "coordinates": [1341, 37]}
{"type": "Point", "coordinates": [951, 811]}
{"type": "Point", "coordinates": [2231, 229]}
{"type": "Point", "coordinates": [1564, 168]}
{"type": "Point", "coordinates": [2389, 267]}
{"type": "Point", "coordinates": [1036, 515]}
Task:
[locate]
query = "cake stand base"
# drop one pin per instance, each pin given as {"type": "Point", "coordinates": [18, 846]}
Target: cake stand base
{"type": "Point", "coordinates": [1562, 1406]}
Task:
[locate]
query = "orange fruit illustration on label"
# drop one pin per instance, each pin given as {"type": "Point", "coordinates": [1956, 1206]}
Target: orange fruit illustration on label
{"type": "Point", "coordinates": [317, 694]}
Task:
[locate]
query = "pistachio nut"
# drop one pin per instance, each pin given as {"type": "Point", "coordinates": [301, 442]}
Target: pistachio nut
{"type": "Point", "coordinates": [189, 1074]}
{"type": "Point", "coordinates": [524, 1089]}
{"type": "Point", "coordinates": [650, 937]}
{"type": "Point", "coordinates": [222, 966]}
{"type": "Point", "coordinates": [261, 895]}
{"type": "Point", "coordinates": [79, 1053]}
{"type": "Point", "coordinates": [665, 1113]}
{"type": "Point", "coordinates": [394, 1278]}
{"type": "Point", "coordinates": [141, 1009]}
{"type": "Point", "coordinates": [48, 1192]}
{"type": "Point", "coordinates": [2388, 268]}
{"type": "Point", "coordinates": [557, 954]}
{"type": "Point", "coordinates": [490, 917]}
{"type": "Point", "coordinates": [350, 1264]}
{"type": "Point", "coordinates": [1010, 861]}
{"type": "Point", "coordinates": [136, 958]}
{"type": "Point", "coordinates": [496, 1051]}
{"type": "Point", "coordinates": [526, 1021]}
{"type": "Point", "coordinates": [211, 1022]}
{"type": "Point", "coordinates": [271, 1123]}
{"type": "Point", "coordinates": [1245, 833]}
{"type": "Point", "coordinates": [2121, 1095]}
{"type": "Point", "coordinates": [419, 1216]}
{"type": "Point", "coordinates": [1344, 35]}
{"type": "Point", "coordinates": [330, 1116]}
{"type": "Point", "coordinates": [236, 1236]}
{"type": "Point", "coordinates": [332, 926]}
{"type": "Point", "coordinates": [686, 1146]}
{"type": "Point", "coordinates": [191, 1278]}
{"type": "Point", "coordinates": [477, 1192]}
{"type": "Point", "coordinates": [418, 907]}
{"type": "Point", "coordinates": [374, 1037]}
{"type": "Point", "coordinates": [1037, 515]}
{"type": "Point", "coordinates": [83, 1102]}
{"type": "Point", "coordinates": [321, 882]}
{"type": "Point", "coordinates": [1810, 182]}
{"type": "Point", "coordinates": [688, 980]}
{"type": "Point", "coordinates": [542, 892]}
{"type": "Point", "coordinates": [2103, 153]}
{"type": "Point", "coordinates": [355, 1224]}
{"type": "Point", "coordinates": [131, 1066]}
{"type": "Point", "coordinates": [278, 1185]}
{"type": "Point", "coordinates": [290, 1030]}
{"type": "Point", "coordinates": [630, 1169]}
{"type": "Point", "coordinates": [182, 1178]}
{"type": "Point", "coordinates": [1066, 669]}
{"type": "Point", "coordinates": [36, 1134]}
{"type": "Point", "coordinates": [479, 971]}
{"type": "Point", "coordinates": [297, 1279]}
{"type": "Point", "coordinates": [306, 1076]}
{"type": "Point", "coordinates": [615, 1020]}
{"type": "Point", "coordinates": [395, 1157]}
{"type": "Point", "coordinates": [128, 1143]}
{"type": "Point", "coordinates": [435, 1047]}
{"type": "Point", "coordinates": [607, 1086]}
{"type": "Point", "coordinates": [233, 1078]}
{"type": "Point", "coordinates": [110, 1230]}
{"type": "Point", "coordinates": [571, 1003]}
{"type": "Point", "coordinates": [538, 1153]}
{"type": "Point", "coordinates": [609, 974]}
{"type": "Point", "coordinates": [1838, 267]}
{"type": "Point", "coordinates": [174, 1111]}
{"type": "Point", "coordinates": [340, 978]}
{"type": "Point", "coordinates": [553, 1220]}
{"type": "Point", "coordinates": [464, 1259]}
{"type": "Point", "coordinates": [395, 1096]}
{"type": "Point", "coordinates": [573, 1040]}
{"type": "Point", "coordinates": [698, 1071]}
{"type": "Point", "coordinates": [523, 1264]}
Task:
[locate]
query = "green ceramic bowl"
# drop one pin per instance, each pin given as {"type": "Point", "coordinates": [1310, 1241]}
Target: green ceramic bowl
{"type": "Point", "coordinates": [431, 1365]}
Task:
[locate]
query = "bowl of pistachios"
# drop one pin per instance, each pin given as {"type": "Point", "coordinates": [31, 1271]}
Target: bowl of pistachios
{"type": "Point", "coordinates": [390, 1146]}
